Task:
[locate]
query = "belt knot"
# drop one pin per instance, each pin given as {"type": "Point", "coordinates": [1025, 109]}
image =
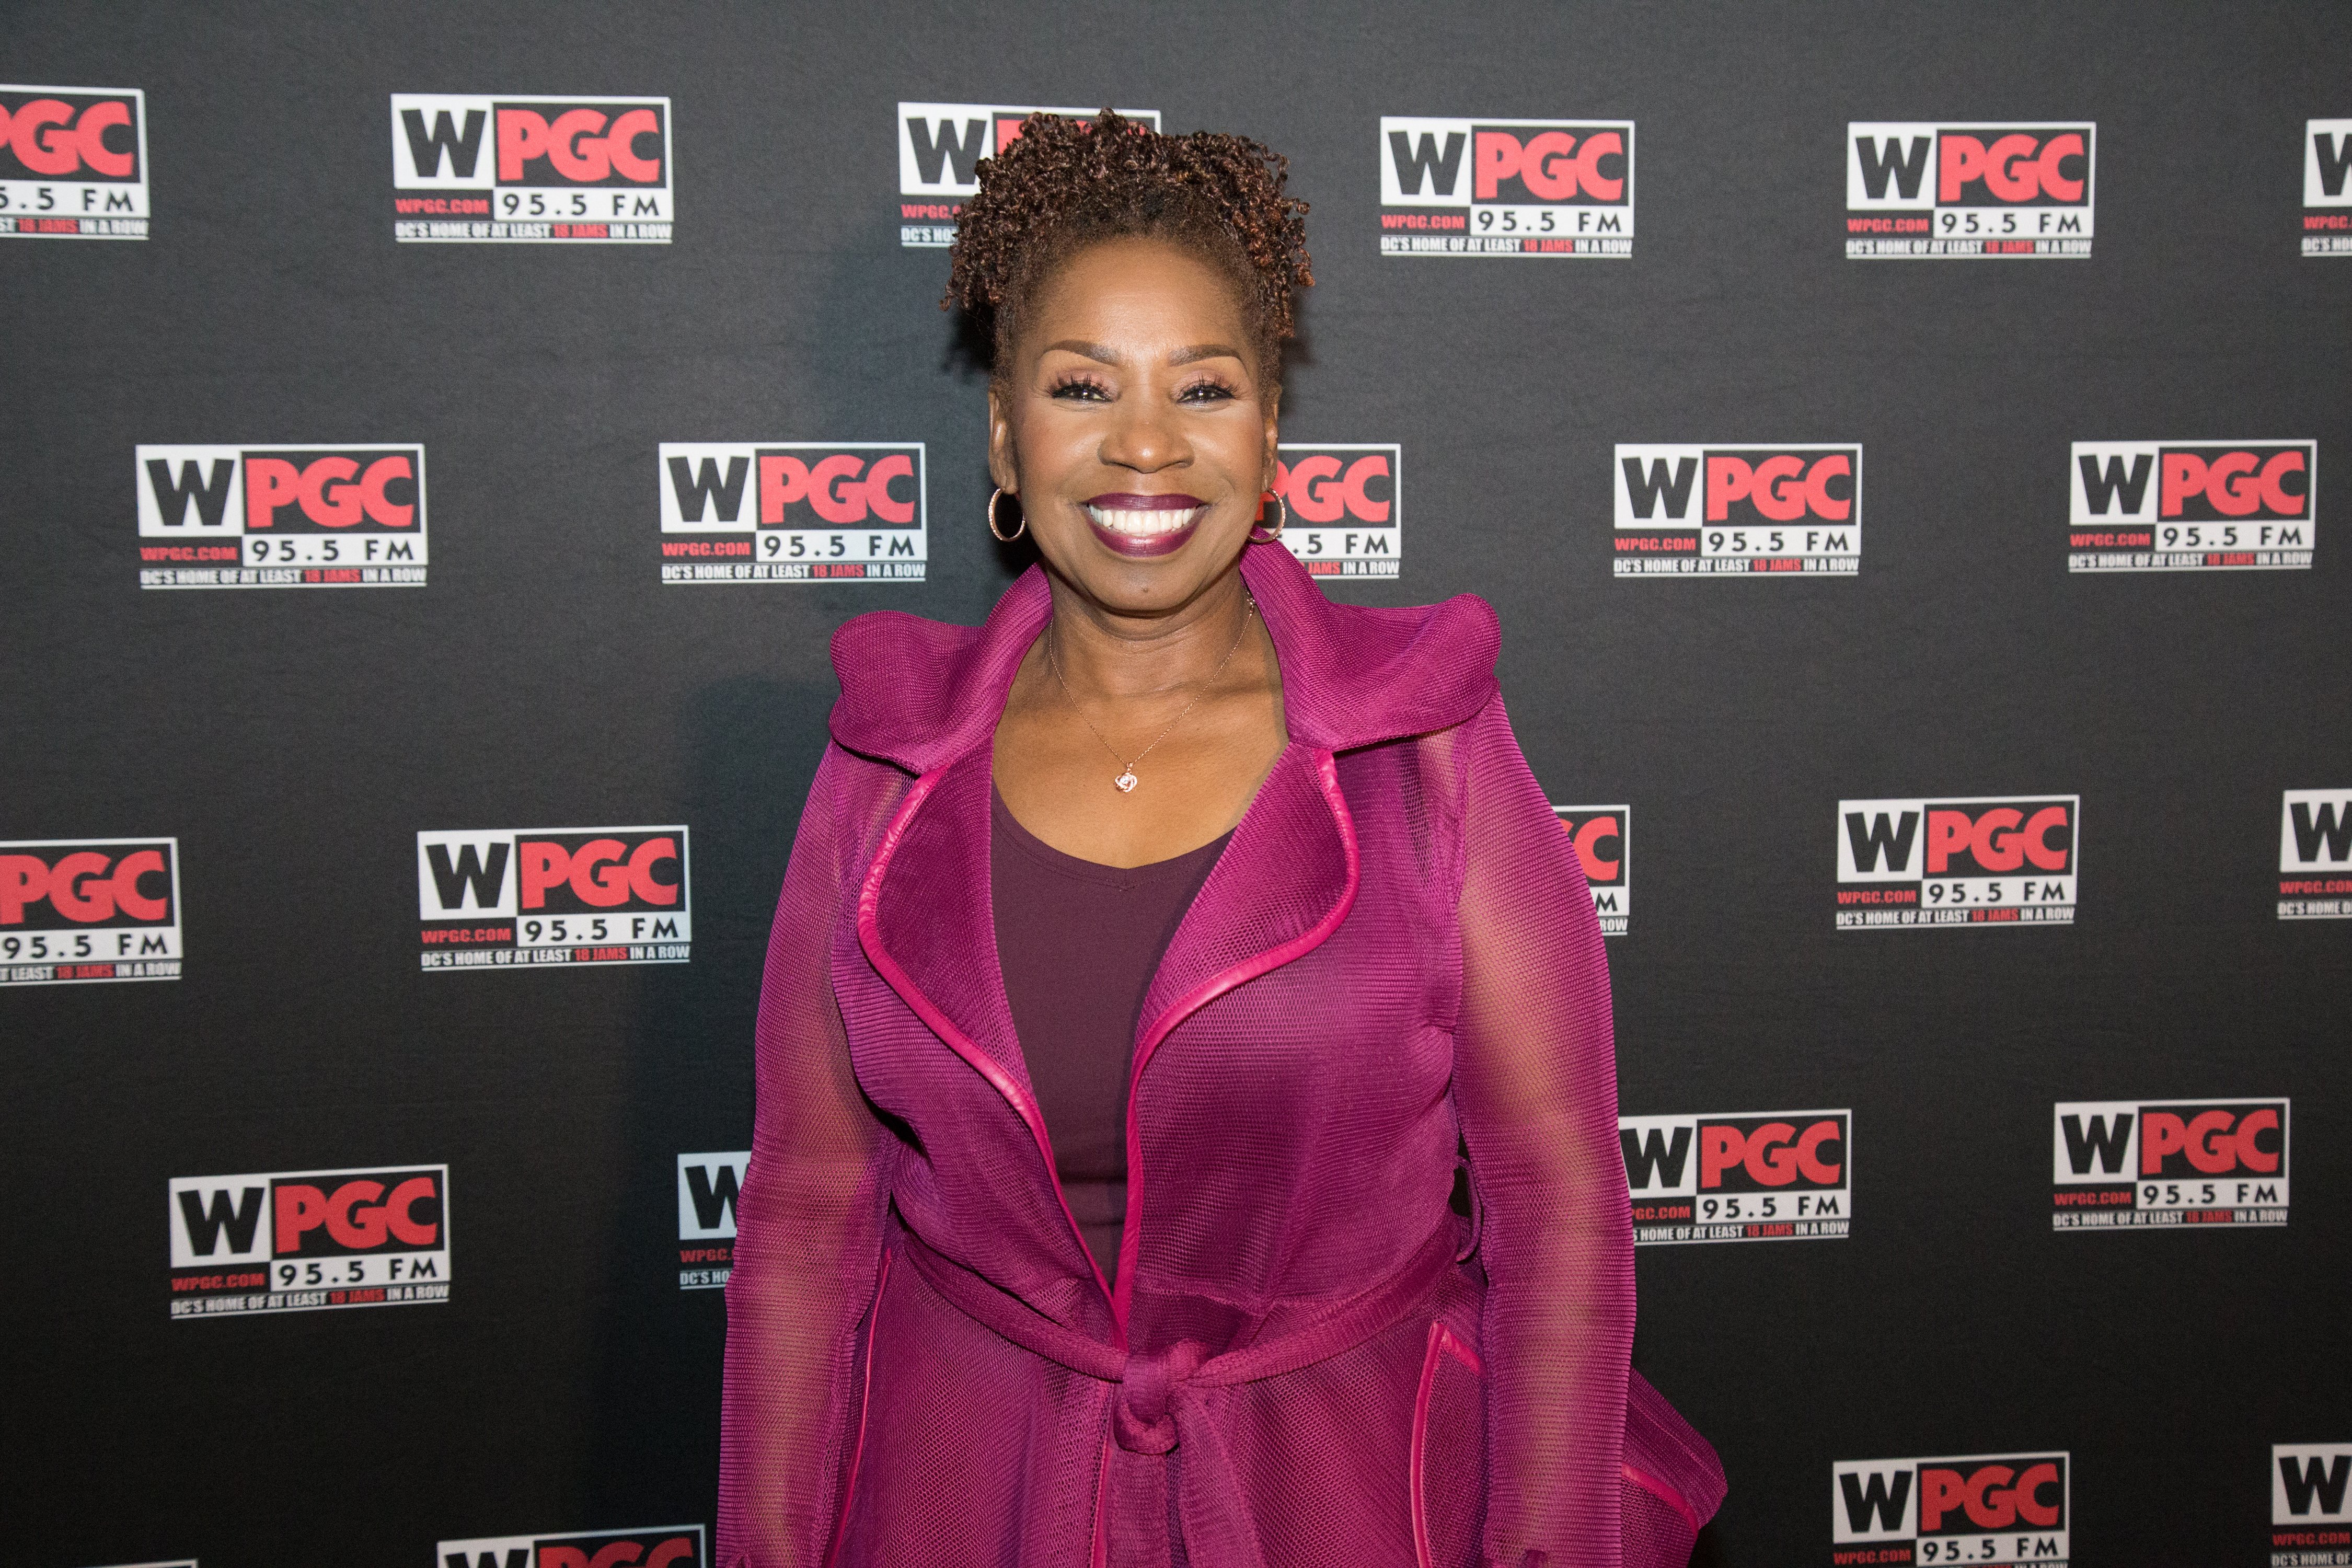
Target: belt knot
{"type": "Point", "coordinates": [1141, 1418]}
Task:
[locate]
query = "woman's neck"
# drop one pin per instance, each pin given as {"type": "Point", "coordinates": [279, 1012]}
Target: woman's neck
{"type": "Point", "coordinates": [1107, 656]}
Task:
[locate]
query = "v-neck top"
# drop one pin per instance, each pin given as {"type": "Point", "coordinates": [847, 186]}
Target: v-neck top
{"type": "Point", "coordinates": [1078, 943]}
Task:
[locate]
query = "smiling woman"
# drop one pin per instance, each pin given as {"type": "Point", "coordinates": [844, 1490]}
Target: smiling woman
{"type": "Point", "coordinates": [1151, 961]}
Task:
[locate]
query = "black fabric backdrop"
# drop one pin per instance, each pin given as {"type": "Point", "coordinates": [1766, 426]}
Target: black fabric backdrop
{"type": "Point", "coordinates": [295, 742]}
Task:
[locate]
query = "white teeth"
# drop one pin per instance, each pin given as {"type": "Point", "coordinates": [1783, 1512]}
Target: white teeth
{"type": "Point", "coordinates": [1142, 524]}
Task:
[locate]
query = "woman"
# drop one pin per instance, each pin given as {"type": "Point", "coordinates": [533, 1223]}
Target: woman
{"type": "Point", "coordinates": [1147, 958]}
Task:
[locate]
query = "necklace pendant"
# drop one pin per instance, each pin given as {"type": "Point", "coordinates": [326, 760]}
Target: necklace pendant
{"type": "Point", "coordinates": [1126, 782]}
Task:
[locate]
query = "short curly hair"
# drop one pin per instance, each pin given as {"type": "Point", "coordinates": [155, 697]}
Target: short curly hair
{"type": "Point", "coordinates": [1064, 184]}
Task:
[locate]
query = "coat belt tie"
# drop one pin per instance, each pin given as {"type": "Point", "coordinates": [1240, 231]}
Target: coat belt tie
{"type": "Point", "coordinates": [1159, 1403]}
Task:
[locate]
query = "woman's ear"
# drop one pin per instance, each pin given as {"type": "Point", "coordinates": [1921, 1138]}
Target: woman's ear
{"type": "Point", "coordinates": [1273, 434]}
{"type": "Point", "coordinates": [1002, 469]}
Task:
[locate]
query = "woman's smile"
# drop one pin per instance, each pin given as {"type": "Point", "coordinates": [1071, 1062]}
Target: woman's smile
{"type": "Point", "coordinates": [1143, 526]}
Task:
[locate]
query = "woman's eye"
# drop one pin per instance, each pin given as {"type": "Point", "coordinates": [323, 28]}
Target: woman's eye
{"type": "Point", "coordinates": [1206, 392]}
{"type": "Point", "coordinates": [1081, 392]}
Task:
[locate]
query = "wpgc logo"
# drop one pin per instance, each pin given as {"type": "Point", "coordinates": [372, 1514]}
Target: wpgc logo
{"type": "Point", "coordinates": [281, 517]}
{"type": "Point", "coordinates": [530, 168]}
{"type": "Point", "coordinates": [76, 909]}
{"type": "Point", "coordinates": [2311, 1521]}
{"type": "Point", "coordinates": [2008, 1511]}
{"type": "Point", "coordinates": [1978, 189]}
{"type": "Point", "coordinates": [708, 1187]}
{"type": "Point", "coordinates": [1347, 507]}
{"type": "Point", "coordinates": [2190, 506]}
{"type": "Point", "coordinates": [1603, 836]}
{"type": "Point", "coordinates": [940, 149]}
{"type": "Point", "coordinates": [794, 511]}
{"type": "Point", "coordinates": [2114, 1164]}
{"type": "Point", "coordinates": [1971, 860]}
{"type": "Point", "coordinates": [73, 162]}
{"type": "Point", "coordinates": [2316, 855]}
{"type": "Point", "coordinates": [665, 1546]}
{"type": "Point", "coordinates": [2326, 200]}
{"type": "Point", "coordinates": [301, 1240]}
{"type": "Point", "coordinates": [527, 896]}
{"type": "Point", "coordinates": [1688, 511]}
{"type": "Point", "coordinates": [1758, 1175]}
{"type": "Point", "coordinates": [1520, 187]}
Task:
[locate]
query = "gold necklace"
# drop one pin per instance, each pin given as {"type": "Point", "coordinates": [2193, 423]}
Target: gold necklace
{"type": "Point", "coordinates": [1127, 781]}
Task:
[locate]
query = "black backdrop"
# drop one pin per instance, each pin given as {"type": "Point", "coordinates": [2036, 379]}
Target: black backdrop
{"type": "Point", "coordinates": [294, 742]}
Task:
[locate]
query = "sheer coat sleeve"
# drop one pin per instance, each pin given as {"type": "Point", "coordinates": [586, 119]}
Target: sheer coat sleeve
{"type": "Point", "coordinates": [1535, 1087]}
{"type": "Point", "coordinates": [808, 1220]}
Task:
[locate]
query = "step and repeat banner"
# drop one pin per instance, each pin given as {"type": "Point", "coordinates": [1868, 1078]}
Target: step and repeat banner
{"type": "Point", "coordinates": [1915, 525]}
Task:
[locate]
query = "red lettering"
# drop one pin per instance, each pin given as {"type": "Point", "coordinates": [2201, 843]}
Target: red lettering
{"type": "Point", "coordinates": [1809, 1155]}
{"type": "Point", "coordinates": [1727, 479]}
{"type": "Point", "coordinates": [1308, 496]}
{"type": "Point", "coordinates": [1985, 1499]}
{"type": "Point", "coordinates": [1948, 832]}
{"type": "Point", "coordinates": [2027, 1490]}
{"type": "Point", "coordinates": [678, 1548]}
{"type": "Point", "coordinates": [90, 138]}
{"type": "Point", "coordinates": [1361, 472]}
{"type": "Point", "coordinates": [2003, 177]}
{"type": "Point", "coordinates": [68, 881]}
{"type": "Point", "coordinates": [2068, 145]}
{"type": "Point", "coordinates": [2253, 1158]}
{"type": "Point", "coordinates": [1588, 841]}
{"type": "Point", "coordinates": [782, 481]}
{"type": "Point", "coordinates": [335, 508]}
{"type": "Point", "coordinates": [2160, 1133]}
{"type": "Point", "coordinates": [1958, 160]}
{"type": "Point", "coordinates": [1770, 1160]}
{"type": "Point", "coordinates": [1774, 501]}
{"type": "Point", "coordinates": [1993, 852]}
{"type": "Point", "coordinates": [897, 465]}
{"type": "Point", "coordinates": [380, 473]}
{"type": "Point", "coordinates": [125, 885]}
{"type": "Point", "coordinates": [24, 880]}
{"type": "Point", "coordinates": [1941, 1491]}
{"type": "Point", "coordinates": [2231, 485]}
{"type": "Point", "coordinates": [2184, 476]}
{"type": "Point", "coordinates": [832, 490]}
{"type": "Point", "coordinates": [270, 483]}
{"type": "Point", "coordinates": [401, 1212]}
{"type": "Point", "coordinates": [522, 136]}
{"type": "Point", "coordinates": [575, 149]}
{"type": "Point", "coordinates": [544, 865]}
{"type": "Point", "coordinates": [300, 1208]}
{"type": "Point", "coordinates": [597, 877]}
{"type": "Point", "coordinates": [1546, 166]}
{"type": "Point", "coordinates": [40, 148]}
{"type": "Point", "coordinates": [1719, 1149]}
{"type": "Point", "coordinates": [2038, 829]}
{"type": "Point", "coordinates": [1817, 487]}
{"type": "Point", "coordinates": [620, 145]}
{"type": "Point", "coordinates": [350, 1224]}
{"type": "Point", "coordinates": [649, 855]}
{"type": "Point", "coordinates": [2274, 483]}
{"type": "Point", "coordinates": [1588, 166]}
{"type": "Point", "coordinates": [1498, 158]}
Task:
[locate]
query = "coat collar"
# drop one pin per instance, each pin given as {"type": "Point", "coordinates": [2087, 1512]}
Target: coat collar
{"type": "Point", "coordinates": [927, 696]}
{"type": "Point", "coordinates": [923, 693]}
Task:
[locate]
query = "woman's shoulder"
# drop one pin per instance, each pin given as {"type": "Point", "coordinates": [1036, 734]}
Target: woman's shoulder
{"type": "Point", "coordinates": [1355, 675]}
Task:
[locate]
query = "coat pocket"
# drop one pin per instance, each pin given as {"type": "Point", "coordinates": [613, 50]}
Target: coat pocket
{"type": "Point", "coordinates": [1448, 1474]}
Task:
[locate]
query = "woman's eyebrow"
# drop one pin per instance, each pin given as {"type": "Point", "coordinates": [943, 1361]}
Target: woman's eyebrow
{"type": "Point", "coordinates": [1100, 354]}
{"type": "Point", "coordinates": [1200, 351]}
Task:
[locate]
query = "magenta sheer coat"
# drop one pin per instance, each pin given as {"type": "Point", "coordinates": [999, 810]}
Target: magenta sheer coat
{"type": "Point", "coordinates": [1310, 1361]}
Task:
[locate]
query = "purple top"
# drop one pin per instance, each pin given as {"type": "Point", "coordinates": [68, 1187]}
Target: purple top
{"type": "Point", "coordinates": [1079, 943]}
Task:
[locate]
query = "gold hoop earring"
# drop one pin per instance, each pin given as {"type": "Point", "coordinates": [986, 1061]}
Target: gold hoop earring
{"type": "Point", "coordinates": [1017, 532]}
{"type": "Point", "coordinates": [1270, 538]}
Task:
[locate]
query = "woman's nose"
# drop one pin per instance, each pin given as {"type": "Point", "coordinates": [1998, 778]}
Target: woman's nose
{"type": "Point", "coordinates": [1143, 437]}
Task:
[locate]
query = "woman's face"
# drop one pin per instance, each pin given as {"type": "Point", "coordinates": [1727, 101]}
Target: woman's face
{"type": "Point", "coordinates": [1132, 425]}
